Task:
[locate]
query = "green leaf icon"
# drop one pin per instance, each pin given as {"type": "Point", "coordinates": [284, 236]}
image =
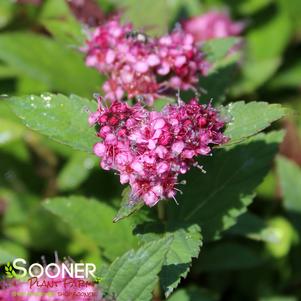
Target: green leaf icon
{"type": "Point", "coordinates": [10, 273]}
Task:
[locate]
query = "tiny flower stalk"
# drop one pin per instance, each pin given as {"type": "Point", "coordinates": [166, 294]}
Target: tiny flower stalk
{"type": "Point", "coordinates": [150, 149]}
{"type": "Point", "coordinates": [161, 211]}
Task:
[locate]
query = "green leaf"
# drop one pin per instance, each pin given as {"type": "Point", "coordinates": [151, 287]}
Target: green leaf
{"type": "Point", "coordinates": [7, 72]}
{"type": "Point", "coordinates": [247, 119]}
{"type": "Point", "coordinates": [270, 27]}
{"type": "Point", "coordinates": [279, 298]}
{"type": "Point", "coordinates": [192, 294]}
{"type": "Point", "coordinates": [290, 182]}
{"type": "Point", "coordinates": [251, 226]}
{"type": "Point", "coordinates": [217, 49]}
{"type": "Point", "coordinates": [6, 12]}
{"type": "Point", "coordinates": [255, 74]}
{"type": "Point", "coordinates": [60, 68]}
{"type": "Point", "coordinates": [223, 66]}
{"type": "Point", "coordinates": [127, 208]}
{"type": "Point", "coordinates": [58, 19]}
{"type": "Point", "coordinates": [106, 6]}
{"type": "Point", "coordinates": [17, 206]}
{"type": "Point", "coordinates": [40, 221]}
{"type": "Point", "coordinates": [268, 188]}
{"type": "Point", "coordinates": [163, 101]}
{"type": "Point", "coordinates": [293, 9]}
{"type": "Point", "coordinates": [287, 78]}
{"type": "Point", "coordinates": [134, 275]}
{"type": "Point", "coordinates": [9, 251]}
{"type": "Point", "coordinates": [286, 237]}
{"type": "Point", "coordinates": [251, 6]}
{"type": "Point", "coordinates": [146, 15]}
{"type": "Point", "coordinates": [186, 244]}
{"type": "Point", "coordinates": [6, 112]}
{"type": "Point", "coordinates": [76, 171]}
{"type": "Point", "coordinates": [180, 9]}
{"type": "Point", "coordinates": [17, 149]}
{"type": "Point", "coordinates": [27, 85]}
{"type": "Point", "coordinates": [217, 82]}
{"type": "Point", "coordinates": [60, 149]}
{"type": "Point", "coordinates": [214, 200]}
{"type": "Point", "coordinates": [9, 131]}
{"type": "Point", "coordinates": [26, 222]}
{"type": "Point", "coordinates": [62, 118]}
{"type": "Point", "coordinates": [94, 219]}
{"type": "Point", "coordinates": [221, 256]}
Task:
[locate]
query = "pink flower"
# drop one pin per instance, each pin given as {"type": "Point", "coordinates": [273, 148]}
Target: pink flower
{"type": "Point", "coordinates": [181, 60]}
{"type": "Point", "coordinates": [212, 25]}
{"type": "Point", "coordinates": [150, 149]}
{"type": "Point", "coordinates": [135, 65]}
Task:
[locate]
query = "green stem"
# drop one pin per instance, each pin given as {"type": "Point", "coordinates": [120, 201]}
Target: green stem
{"type": "Point", "coordinates": [161, 211]}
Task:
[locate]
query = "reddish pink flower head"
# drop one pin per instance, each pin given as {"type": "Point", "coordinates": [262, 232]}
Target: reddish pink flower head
{"type": "Point", "coordinates": [212, 25]}
{"type": "Point", "coordinates": [150, 149]}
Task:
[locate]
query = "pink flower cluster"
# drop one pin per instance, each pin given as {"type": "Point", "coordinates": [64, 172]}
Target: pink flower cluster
{"type": "Point", "coordinates": [150, 149]}
{"type": "Point", "coordinates": [138, 65]}
{"type": "Point", "coordinates": [212, 25]}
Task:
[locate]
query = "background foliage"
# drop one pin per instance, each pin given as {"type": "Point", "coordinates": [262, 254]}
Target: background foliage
{"type": "Point", "coordinates": [54, 196]}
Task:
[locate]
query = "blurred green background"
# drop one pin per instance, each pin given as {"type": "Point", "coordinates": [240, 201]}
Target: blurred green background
{"type": "Point", "coordinates": [257, 259]}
